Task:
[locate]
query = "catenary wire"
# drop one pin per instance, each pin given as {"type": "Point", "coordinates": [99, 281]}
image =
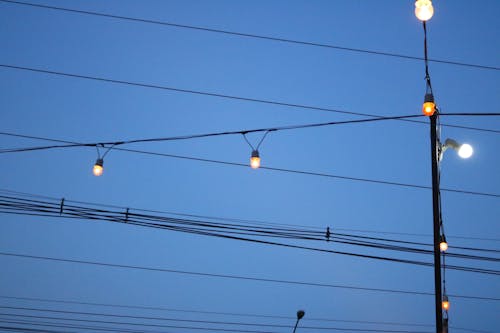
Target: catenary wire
{"type": "Point", "coordinates": [218, 95]}
{"type": "Point", "coordinates": [112, 144]}
{"type": "Point", "coordinates": [253, 36]}
{"type": "Point", "coordinates": [292, 171]}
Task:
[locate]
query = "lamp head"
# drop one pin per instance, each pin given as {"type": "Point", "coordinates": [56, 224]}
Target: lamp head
{"type": "Point", "coordinates": [424, 10]}
{"type": "Point", "coordinates": [464, 150]}
{"type": "Point", "coordinates": [446, 303]}
{"type": "Point", "coordinates": [300, 314]}
{"type": "Point", "coordinates": [255, 159]}
{"type": "Point", "coordinates": [443, 245]}
{"type": "Point", "coordinates": [98, 167]}
{"type": "Point", "coordinates": [429, 107]}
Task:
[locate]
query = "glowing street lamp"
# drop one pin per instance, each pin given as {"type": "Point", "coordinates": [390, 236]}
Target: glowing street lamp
{"type": "Point", "coordinates": [464, 150]}
{"type": "Point", "coordinates": [429, 107]}
{"type": "Point", "coordinates": [424, 10]}
{"type": "Point", "coordinates": [446, 303]}
{"type": "Point", "coordinates": [443, 245]}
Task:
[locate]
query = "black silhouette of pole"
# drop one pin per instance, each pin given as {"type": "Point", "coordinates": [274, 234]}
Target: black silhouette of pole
{"type": "Point", "coordinates": [436, 205]}
{"type": "Point", "coordinates": [300, 314]}
{"type": "Point", "coordinates": [436, 222]}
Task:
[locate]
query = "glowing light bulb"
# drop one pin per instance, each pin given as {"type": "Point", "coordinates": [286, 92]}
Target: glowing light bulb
{"type": "Point", "coordinates": [98, 167]}
{"type": "Point", "coordinates": [465, 150]}
{"type": "Point", "coordinates": [429, 106]}
{"type": "Point", "coordinates": [424, 10]}
{"type": "Point", "coordinates": [446, 303]}
{"type": "Point", "coordinates": [443, 245]}
{"type": "Point", "coordinates": [255, 160]}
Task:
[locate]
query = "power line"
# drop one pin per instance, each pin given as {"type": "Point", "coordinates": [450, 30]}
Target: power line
{"type": "Point", "coordinates": [113, 144]}
{"type": "Point", "coordinates": [207, 135]}
{"type": "Point", "coordinates": [170, 309]}
{"type": "Point", "coordinates": [233, 314]}
{"type": "Point", "coordinates": [17, 206]}
{"type": "Point", "coordinates": [191, 321]}
{"type": "Point", "coordinates": [210, 94]}
{"type": "Point", "coordinates": [292, 171]}
{"type": "Point", "coordinates": [240, 277]}
{"type": "Point", "coordinates": [253, 36]}
{"type": "Point", "coordinates": [257, 222]}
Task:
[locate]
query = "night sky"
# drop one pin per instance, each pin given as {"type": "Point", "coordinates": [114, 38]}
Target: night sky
{"type": "Point", "coordinates": [164, 69]}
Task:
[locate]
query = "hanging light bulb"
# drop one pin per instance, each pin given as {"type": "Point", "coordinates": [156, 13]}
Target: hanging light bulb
{"type": "Point", "coordinates": [443, 245]}
{"type": "Point", "coordinates": [429, 106]}
{"type": "Point", "coordinates": [98, 167]}
{"type": "Point", "coordinates": [424, 10]}
{"type": "Point", "coordinates": [446, 303]}
{"type": "Point", "coordinates": [255, 159]}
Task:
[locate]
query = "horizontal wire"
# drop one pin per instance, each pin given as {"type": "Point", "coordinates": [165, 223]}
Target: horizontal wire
{"type": "Point", "coordinates": [207, 135]}
{"type": "Point", "coordinates": [112, 144]}
{"type": "Point", "coordinates": [258, 222]}
{"type": "Point", "coordinates": [14, 206]}
{"type": "Point", "coordinates": [254, 36]}
{"type": "Point", "coordinates": [245, 278]}
{"type": "Point", "coordinates": [240, 98]}
{"type": "Point", "coordinates": [233, 314]}
{"type": "Point", "coordinates": [292, 171]}
{"type": "Point", "coordinates": [192, 321]}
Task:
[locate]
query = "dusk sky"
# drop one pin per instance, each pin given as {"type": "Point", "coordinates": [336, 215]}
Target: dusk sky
{"type": "Point", "coordinates": [210, 244]}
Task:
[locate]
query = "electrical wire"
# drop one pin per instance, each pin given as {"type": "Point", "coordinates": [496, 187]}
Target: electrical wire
{"type": "Point", "coordinates": [190, 321]}
{"type": "Point", "coordinates": [292, 171]}
{"type": "Point", "coordinates": [239, 98]}
{"type": "Point", "coordinates": [19, 206]}
{"type": "Point", "coordinates": [253, 36]}
{"type": "Point", "coordinates": [259, 222]}
{"type": "Point", "coordinates": [112, 144]}
{"type": "Point", "coordinates": [241, 277]}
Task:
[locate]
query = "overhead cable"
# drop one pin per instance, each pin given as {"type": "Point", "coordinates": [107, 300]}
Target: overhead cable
{"type": "Point", "coordinates": [240, 98]}
{"type": "Point", "coordinates": [253, 36]}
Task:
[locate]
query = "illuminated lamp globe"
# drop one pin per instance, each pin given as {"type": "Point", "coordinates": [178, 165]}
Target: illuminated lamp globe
{"type": "Point", "coordinates": [443, 245]}
{"type": "Point", "coordinates": [429, 106]}
{"type": "Point", "coordinates": [446, 303]}
{"type": "Point", "coordinates": [424, 10]}
{"type": "Point", "coordinates": [98, 167]}
{"type": "Point", "coordinates": [465, 150]}
{"type": "Point", "coordinates": [255, 160]}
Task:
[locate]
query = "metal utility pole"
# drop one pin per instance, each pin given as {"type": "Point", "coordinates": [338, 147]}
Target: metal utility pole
{"type": "Point", "coordinates": [436, 221]}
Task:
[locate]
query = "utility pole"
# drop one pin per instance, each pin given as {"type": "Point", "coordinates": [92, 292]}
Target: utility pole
{"type": "Point", "coordinates": [436, 205]}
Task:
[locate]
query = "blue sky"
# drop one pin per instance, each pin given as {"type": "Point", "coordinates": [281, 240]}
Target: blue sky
{"type": "Point", "coordinates": [81, 110]}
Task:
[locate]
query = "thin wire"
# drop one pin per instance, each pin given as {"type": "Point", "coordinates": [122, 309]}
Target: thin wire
{"type": "Point", "coordinates": [227, 231]}
{"type": "Point", "coordinates": [258, 222]}
{"type": "Point", "coordinates": [206, 135]}
{"type": "Point", "coordinates": [309, 173]}
{"type": "Point", "coordinates": [240, 277]}
{"type": "Point", "coordinates": [212, 322]}
{"type": "Point", "coordinates": [239, 98]}
{"type": "Point", "coordinates": [254, 36]}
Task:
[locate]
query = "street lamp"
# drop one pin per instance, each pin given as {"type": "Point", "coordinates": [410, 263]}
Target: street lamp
{"type": "Point", "coordinates": [464, 150]}
{"type": "Point", "coordinates": [424, 10]}
{"type": "Point", "coordinates": [300, 314]}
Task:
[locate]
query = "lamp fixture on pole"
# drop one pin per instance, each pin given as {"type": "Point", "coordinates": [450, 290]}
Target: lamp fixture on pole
{"type": "Point", "coordinates": [300, 314]}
